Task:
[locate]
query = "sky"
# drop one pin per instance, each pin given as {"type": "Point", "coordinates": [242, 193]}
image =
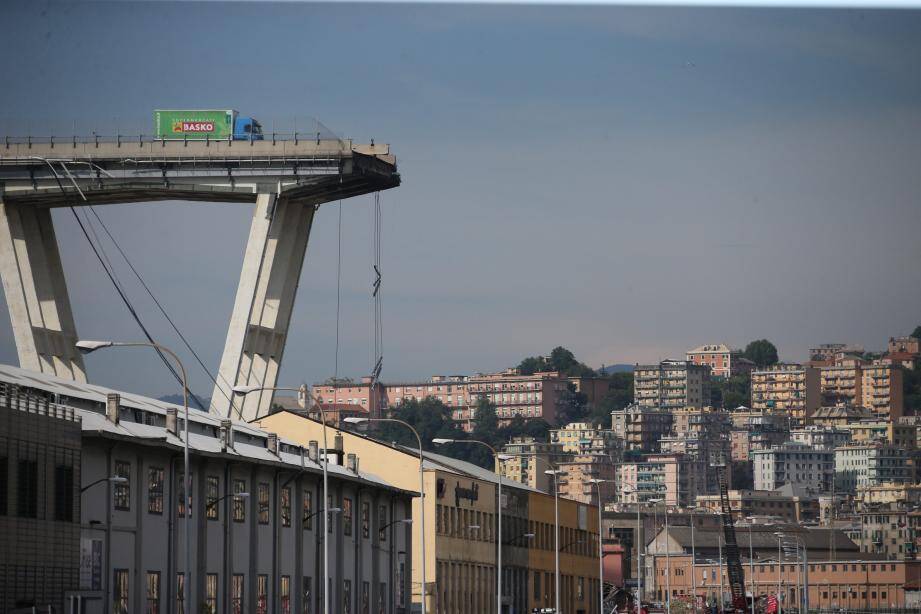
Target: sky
{"type": "Point", "coordinates": [628, 182]}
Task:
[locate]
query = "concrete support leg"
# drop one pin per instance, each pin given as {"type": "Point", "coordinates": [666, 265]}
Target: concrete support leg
{"type": "Point", "coordinates": [33, 280]}
{"type": "Point", "coordinates": [262, 310]}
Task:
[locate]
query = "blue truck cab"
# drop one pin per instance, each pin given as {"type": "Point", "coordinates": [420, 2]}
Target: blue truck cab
{"type": "Point", "coordinates": [247, 129]}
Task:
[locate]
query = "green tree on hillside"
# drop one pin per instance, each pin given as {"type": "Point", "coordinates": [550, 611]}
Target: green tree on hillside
{"type": "Point", "coordinates": [761, 352]}
{"type": "Point", "coordinates": [733, 392]}
{"type": "Point", "coordinates": [560, 359]}
{"type": "Point", "coordinates": [619, 395]}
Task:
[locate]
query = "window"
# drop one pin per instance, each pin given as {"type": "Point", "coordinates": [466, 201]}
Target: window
{"type": "Point", "coordinates": [212, 491]}
{"type": "Point", "coordinates": [284, 590]}
{"type": "Point", "coordinates": [306, 595]}
{"type": "Point", "coordinates": [537, 594]}
{"type": "Point", "coordinates": [263, 503]}
{"type": "Point", "coordinates": [180, 494]}
{"type": "Point", "coordinates": [286, 507]}
{"type": "Point", "coordinates": [153, 592]}
{"type": "Point", "coordinates": [308, 510]}
{"type": "Point", "coordinates": [122, 490]}
{"type": "Point", "coordinates": [382, 522]}
{"type": "Point", "coordinates": [180, 593]}
{"type": "Point", "coordinates": [347, 596]}
{"type": "Point", "coordinates": [4, 483]}
{"type": "Point", "coordinates": [382, 598]}
{"type": "Point", "coordinates": [236, 594]}
{"type": "Point", "coordinates": [346, 516]}
{"type": "Point", "coordinates": [64, 493]}
{"type": "Point", "coordinates": [211, 593]}
{"type": "Point", "coordinates": [155, 490]}
{"type": "Point", "coordinates": [262, 594]}
{"type": "Point", "coordinates": [365, 519]}
{"type": "Point", "coordinates": [239, 503]}
{"type": "Point", "coordinates": [365, 598]}
{"type": "Point", "coordinates": [120, 591]}
{"type": "Point", "coordinates": [27, 489]}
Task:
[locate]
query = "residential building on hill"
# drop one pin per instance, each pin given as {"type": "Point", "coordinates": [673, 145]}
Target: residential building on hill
{"type": "Point", "coordinates": [529, 460]}
{"type": "Point", "coordinates": [839, 415]}
{"type": "Point", "coordinates": [723, 361]}
{"type": "Point", "coordinates": [790, 389]}
{"type": "Point", "coordinates": [792, 463]}
{"type": "Point", "coordinates": [671, 384]}
{"type": "Point", "coordinates": [906, 344]}
{"type": "Point", "coordinates": [881, 390]}
{"type": "Point", "coordinates": [892, 529]}
{"type": "Point", "coordinates": [641, 428]}
{"type": "Point", "coordinates": [674, 478]}
{"type": "Point", "coordinates": [820, 437]}
{"type": "Point", "coordinates": [747, 503]}
{"type": "Point", "coordinates": [585, 438]}
{"type": "Point", "coordinates": [869, 464]}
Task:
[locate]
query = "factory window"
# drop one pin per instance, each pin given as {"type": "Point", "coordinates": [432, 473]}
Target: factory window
{"type": "Point", "coordinates": [4, 484]}
{"type": "Point", "coordinates": [210, 593]}
{"type": "Point", "coordinates": [180, 494]}
{"type": "Point", "coordinates": [153, 592]}
{"type": "Point", "coordinates": [882, 595]}
{"type": "Point", "coordinates": [381, 598]}
{"type": "Point", "coordinates": [239, 503]}
{"type": "Point", "coordinates": [308, 510]}
{"type": "Point", "coordinates": [347, 597]}
{"type": "Point", "coordinates": [122, 490]}
{"type": "Point", "coordinates": [262, 594]}
{"type": "Point", "coordinates": [155, 490]}
{"type": "Point", "coordinates": [263, 503]}
{"type": "Point", "coordinates": [286, 506]}
{"type": "Point", "coordinates": [346, 516]}
{"type": "Point", "coordinates": [180, 593]}
{"type": "Point", "coordinates": [236, 594]}
{"type": "Point", "coordinates": [284, 592]}
{"type": "Point", "coordinates": [382, 522]}
{"type": "Point", "coordinates": [120, 591]}
{"type": "Point", "coordinates": [64, 493]}
{"type": "Point", "coordinates": [365, 519]}
{"type": "Point", "coordinates": [306, 595]}
{"type": "Point", "coordinates": [365, 604]}
{"type": "Point", "coordinates": [211, 496]}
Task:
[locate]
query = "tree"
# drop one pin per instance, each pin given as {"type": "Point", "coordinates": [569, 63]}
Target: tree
{"type": "Point", "coordinates": [430, 417]}
{"type": "Point", "coordinates": [733, 392]}
{"type": "Point", "coordinates": [761, 352]}
{"type": "Point", "coordinates": [619, 395]}
{"type": "Point", "coordinates": [917, 332]}
{"type": "Point", "coordinates": [560, 359]}
{"type": "Point", "coordinates": [572, 406]}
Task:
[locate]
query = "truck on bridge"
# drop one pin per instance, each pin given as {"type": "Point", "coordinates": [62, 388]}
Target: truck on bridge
{"type": "Point", "coordinates": [205, 124]}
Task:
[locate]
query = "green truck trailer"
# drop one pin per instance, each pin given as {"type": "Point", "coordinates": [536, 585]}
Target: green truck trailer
{"type": "Point", "coordinates": [202, 124]}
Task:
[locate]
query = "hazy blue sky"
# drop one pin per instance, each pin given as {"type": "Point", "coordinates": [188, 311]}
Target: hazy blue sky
{"type": "Point", "coordinates": [627, 182]}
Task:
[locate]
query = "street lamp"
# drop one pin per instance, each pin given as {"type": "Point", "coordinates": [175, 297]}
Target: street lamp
{"type": "Point", "coordinates": [86, 346]}
{"type": "Point", "coordinates": [115, 479]}
{"type": "Point", "coordinates": [639, 556]}
{"type": "Point", "coordinates": [439, 441]}
{"type": "Point", "coordinates": [357, 420]}
{"type": "Point", "coordinates": [556, 523]}
{"type": "Point", "coordinates": [598, 482]}
{"type": "Point", "coordinates": [245, 390]}
{"type": "Point", "coordinates": [668, 566]}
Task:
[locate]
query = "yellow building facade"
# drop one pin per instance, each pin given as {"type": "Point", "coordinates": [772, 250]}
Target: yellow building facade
{"type": "Point", "coordinates": [461, 528]}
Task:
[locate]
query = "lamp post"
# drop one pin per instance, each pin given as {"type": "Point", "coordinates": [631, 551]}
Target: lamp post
{"type": "Point", "coordinates": [115, 479]}
{"type": "Point", "coordinates": [598, 482]}
{"type": "Point", "coordinates": [556, 539]}
{"type": "Point", "coordinates": [779, 568]}
{"type": "Point", "coordinates": [668, 567]}
{"type": "Point", "coordinates": [441, 441]}
{"type": "Point", "coordinates": [719, 545]}
{"type": "Point", "coordinates": [357, 420]}
{"type": "Point", "coordinates": [85, 347]}
{"type": "Point", "coordinates": [245, 390]}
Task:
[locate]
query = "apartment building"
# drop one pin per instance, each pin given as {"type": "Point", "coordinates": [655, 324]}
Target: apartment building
{"type": "Point", "coordinates": [791, 389]}
{"type": "Point", "coordinates": [585, 438]}
{"type": "Point", "coordinates": [828, 354]}
{"type": "Point", "coordinates": [113, 538]}
{"type": "Point", "coordinates": [756, 430]}
{"type": "Point", "coordinates": [891, 529]}
{"type": "Point", "coordinates": [897, 434]}
{"type": "Point", "coordinates": [527, 462]}
{"type": "Point", "coordinates": [723, 361]}
{"type": "Point", "coordinates": [804, 468]}
{"type": "Point", "coordinates": [745, 504]}
{"type": "Point", "coordinates": [575, 483]}
{"type": "Point", "coordinates": [906, 345]}
{"type": "Point", "coordinates": [674, 478]}
{"type": "Point", "coordinates": [841, 383]}
{"type": "Point", "coordinates": [881, 390]}
{"type": "Point", "coordinates": [347, 393]}
{"type": "Point", "coordinates": [839, 415]}
{"type": "Point", "coordinates": [641, 427]}
{"type": "Point", "coordinates": [820, 437]}
{"type": "Point", "coordinates": [671, 384]}
{"type": "Point", "coordinates": [890, 492]}
{"type": "Point", "coordinates": [869, 464]}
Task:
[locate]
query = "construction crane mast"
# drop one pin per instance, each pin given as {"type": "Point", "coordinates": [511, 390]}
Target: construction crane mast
{"type": "Point", "coordinates": [733, 562]}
